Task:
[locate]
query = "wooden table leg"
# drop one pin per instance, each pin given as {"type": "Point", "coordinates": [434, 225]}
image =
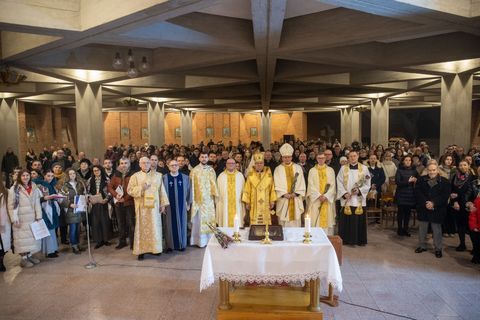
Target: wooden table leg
{"type": "Point", "coordinates": [331, 299]}
{"type": "Point", "coordinates": [224, 295]}
{"type": "Point", "coordinates": [314, 296]}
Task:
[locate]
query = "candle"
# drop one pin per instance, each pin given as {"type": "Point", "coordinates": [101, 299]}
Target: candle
{"type": "Point", "coordinates": [308, 224]}
{"type": "Point", "coordinates": [236, 224]}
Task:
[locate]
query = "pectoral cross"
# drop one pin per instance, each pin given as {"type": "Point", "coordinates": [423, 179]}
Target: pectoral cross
{"type": "Point", "coordinates": [180, 183]}
{"type": "Point", "coordinates": [171, 184]}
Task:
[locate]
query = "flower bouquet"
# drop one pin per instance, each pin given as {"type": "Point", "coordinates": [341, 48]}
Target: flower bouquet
{"type": "Point", "coordinates": [222, 238]}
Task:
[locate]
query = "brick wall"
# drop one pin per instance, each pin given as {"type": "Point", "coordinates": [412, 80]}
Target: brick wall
{"type": "Point", "coordinates": [51, 126]}
{"type": "Point", "coordinates": [292, 123]}
{"type": "Point", "coordinates": [124, 127]}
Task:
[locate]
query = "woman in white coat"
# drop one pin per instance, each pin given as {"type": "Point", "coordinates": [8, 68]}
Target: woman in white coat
{"type": "Point", "coordinates": [24, 208]}
{"type": "Point", "coordinates": [5, 225]}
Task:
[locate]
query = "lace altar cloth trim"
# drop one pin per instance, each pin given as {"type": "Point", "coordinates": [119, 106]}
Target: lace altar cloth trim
{"type": "Point", "coordinates": [268, 279]}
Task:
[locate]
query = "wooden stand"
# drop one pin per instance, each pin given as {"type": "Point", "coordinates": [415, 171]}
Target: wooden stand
{"type": "Point", "coordinates": [289, 303]}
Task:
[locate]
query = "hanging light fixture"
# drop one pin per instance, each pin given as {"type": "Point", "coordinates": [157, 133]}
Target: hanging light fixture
{"type": "Point", "coordinates": [132, 72]}
{"type": "Point", "coordinates": [144, 65]}
{"type": "Point", "coordinates": [10, 77]}
{"type": "Point", "coordinates": [117, 62]}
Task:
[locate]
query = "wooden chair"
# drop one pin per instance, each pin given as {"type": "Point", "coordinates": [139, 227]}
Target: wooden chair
{"type": "Point", "coordinates": [389, 209]}
{"type": "Point", "coordinates": [373, 212]}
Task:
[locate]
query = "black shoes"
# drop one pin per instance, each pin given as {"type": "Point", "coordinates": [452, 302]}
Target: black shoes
{"type": "Point", "coordinates": [52, 255]}
{"type": "Point", "coordinates": [75, 250]}
{"type": "Point", "coordinates": [2, 266]}
{"type": "Point", "coordinates": [99, 245]}
{"type": "Point", "coordinates": [141, 257]}
{"type": "Point", "coordinates": [438, 253]}
{"type": "Point", "coordinates": [420, 250]}
{"type": "Point", "coordinates": [106, 243]}
{"type": "Point", "coordinates": [475, 260]}
{"type": "Point", "coordinates": [461, 248]}
{"type": "Point", "coordinates": [403, 232]}
{"type": "Point", "coordinates": [121, 245]}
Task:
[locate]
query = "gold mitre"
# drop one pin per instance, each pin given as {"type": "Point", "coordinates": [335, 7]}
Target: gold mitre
{"type": "Point", "coordinates": [258, 157]}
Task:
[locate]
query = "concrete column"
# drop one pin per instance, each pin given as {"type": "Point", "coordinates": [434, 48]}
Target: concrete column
{"type": "Point", "coordinates": [266, 130]}
{"type": "Point", "coordinates": [156, 124]}
{"type": "Point", "coordinates": [186, 127]}
{"type": "Point", "coordinates": [57, 125]}
{"type": "Point", "coordinates": [379, 122]}
{"type": "Point", "coordinates": [90, 135]}
{"type": "Point", "coordinates": [456, 110]}
{"type": "Point", "coordinates": [9, 127]}
{"type": "Point", "coordinates": [350, 126]}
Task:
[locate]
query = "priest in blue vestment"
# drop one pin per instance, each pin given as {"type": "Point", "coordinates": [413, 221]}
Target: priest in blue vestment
{"type": "Point", "coordinates": [177, 186]}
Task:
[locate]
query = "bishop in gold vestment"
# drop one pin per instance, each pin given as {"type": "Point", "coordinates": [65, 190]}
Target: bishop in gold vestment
{"type": "Point", "coordinates": [259, 192]}
{"type": "Point", "coordinates": [229, 201]}
{"type": "Point", "coordinates": [146, 187]}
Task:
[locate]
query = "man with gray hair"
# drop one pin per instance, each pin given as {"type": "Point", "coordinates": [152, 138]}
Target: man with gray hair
{"type": "Point", "coordinates": [432, 192]}
{"type": "Point", "coordinates": [148, 191]}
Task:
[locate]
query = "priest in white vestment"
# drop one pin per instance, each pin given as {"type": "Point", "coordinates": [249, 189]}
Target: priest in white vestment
{"type": "Point", "coordinates": [204, 188]}
{"type": "Point", "coordinates": [148, 191]}
{"type": "Point", "coordinates": [353, 184]}
{"type": "Point", "coordinates": [229, 201]}
{"type": "Point", "coordinates": [321, 194]}
{"type": "Point", "coordinates": [290, 188]}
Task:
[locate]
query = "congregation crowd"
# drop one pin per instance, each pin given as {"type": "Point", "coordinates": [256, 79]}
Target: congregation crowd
{"type": "Point", "coordinates": [164, 198]}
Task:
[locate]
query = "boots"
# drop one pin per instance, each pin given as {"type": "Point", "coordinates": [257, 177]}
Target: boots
{"type": "Point", "coordinates": [2, 266]}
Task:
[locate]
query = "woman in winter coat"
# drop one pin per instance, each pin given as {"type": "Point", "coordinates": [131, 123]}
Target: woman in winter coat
{"type": "Point", "coordinates": [50, 212]}
{"type": "Point", "coordinates": [460, 198]}
{"type": "Point", "coordinates": [98, 186]}
{"type": "Point", "coordinates": [405, 179]}
{"type": "Point", "coordinates": [447, 170]}
{"type": "Point", "coordinates": [5, 225]}
{"type": "Point", "coordinates": [24, 208]}
{"type": "Point", "coordinates": [72, 188]}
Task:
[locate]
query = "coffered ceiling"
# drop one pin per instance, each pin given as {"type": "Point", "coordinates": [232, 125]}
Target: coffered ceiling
{"type": "Point", "coordinates": [239, 55]}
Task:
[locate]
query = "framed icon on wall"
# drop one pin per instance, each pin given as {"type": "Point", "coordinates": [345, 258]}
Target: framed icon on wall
{"type": "Point", "coordinates": [178, 132]}
{"type": "Point", "coordinates": [125, 133]}
{"type": "Point", "coordinates": [145, 133]}
{"type": "Point", "coordinates": [253, 132]}
{"type": "Point", "coordinates": [226, 132]}
{"type": "Point", "coordinates": [209, 132]}
{"type": "Point", "coordinates": [31, 135]}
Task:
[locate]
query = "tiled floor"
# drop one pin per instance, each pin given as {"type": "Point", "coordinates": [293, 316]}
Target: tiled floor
{"type": "Point", "coordinates": [385, 275]}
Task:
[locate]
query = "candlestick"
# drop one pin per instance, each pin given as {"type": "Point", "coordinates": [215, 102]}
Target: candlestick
{"type": "Point", "coordinates": [308, 224]}
{"type": "Point", "coordinates": [236, 224]}
{"type": "Point", "coordinates": [236, 237]}
{"type": "Point", "coordinates": [267, 240]}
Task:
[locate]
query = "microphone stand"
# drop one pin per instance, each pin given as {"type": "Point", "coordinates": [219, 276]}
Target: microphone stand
{"type": "Point", "coordinates": [91, 264]}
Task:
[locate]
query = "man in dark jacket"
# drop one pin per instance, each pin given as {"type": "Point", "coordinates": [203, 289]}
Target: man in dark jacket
{"type": "Point", "coordinates": [432, 192]}
{"type": "Point", "coordinates": [9, 162]}
{"type": "Point", "coordinates": [124, 204]}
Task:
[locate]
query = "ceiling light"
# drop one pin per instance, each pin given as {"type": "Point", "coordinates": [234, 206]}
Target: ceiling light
{"type": "Point", "coordinates": [132, 72]}
{"type": "Point", "coordinates": [11, 77]}
{"type": "Point", "coordinates": [117, 62]}
{"type": "Point", "coordinates": [144, 65]}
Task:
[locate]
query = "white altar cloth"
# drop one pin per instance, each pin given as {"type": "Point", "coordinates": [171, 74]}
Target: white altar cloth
{"type": "Point", "coordinates": [289, 261]}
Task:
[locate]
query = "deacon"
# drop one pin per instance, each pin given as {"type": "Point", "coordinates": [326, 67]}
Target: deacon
{"type": "Point", "coordinates": [290, 188]}
{"type": "Point", "coordinates": [229, 201]}
{"type": "Point", "coordinates": [259, 193]}
{"type": "Point", "coordinates": [146, 188]}
{"type": "Point", "coordinates": [204, 189]}
{"type": "Point", "coordinates": [321, 193]}
{"type": "Point", "coordinates": [177, 186]}
{"type": "Point", "coordinates": [353, 184]}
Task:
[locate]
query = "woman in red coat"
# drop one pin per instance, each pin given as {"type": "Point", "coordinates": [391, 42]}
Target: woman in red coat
{"type": "Point", "coordinates": [474, 225]}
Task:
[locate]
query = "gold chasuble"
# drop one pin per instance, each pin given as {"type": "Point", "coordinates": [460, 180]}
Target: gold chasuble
{"type": "Point", "coordinates": [291, 203]}
{"type": "Point", "coordinates": [148, 226]}
{"type": "Point", "coordinates": [322, 186]}
{"type": "Point", "coordinates": [229, 200]}
{"type": "Point", "coordinates": [259, 192]}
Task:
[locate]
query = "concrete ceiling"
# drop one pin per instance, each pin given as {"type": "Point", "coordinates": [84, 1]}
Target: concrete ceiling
{"type": "Point", "coordinates": [242, 54]}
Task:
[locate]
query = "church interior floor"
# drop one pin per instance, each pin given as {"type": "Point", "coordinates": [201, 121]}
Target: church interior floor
{"type": "Point", "coordinates": [384, 275]}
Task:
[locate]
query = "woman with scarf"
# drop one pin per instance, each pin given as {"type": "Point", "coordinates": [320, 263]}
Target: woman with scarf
{"type": "Point", "coordinates": [50, 213]}
{"type": "Point", "coordinates": [99, 197]}
{"type": "Point", "coordinates": [73, 188]}
{"type": "Point", "coordinates": [24, 209]}
{"type": "Point", "coordinates": [5, 226]}
{"type": "Point", "coordinates": [447, 170]}
{"type": "Point", "coordinates": [460, 200]}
